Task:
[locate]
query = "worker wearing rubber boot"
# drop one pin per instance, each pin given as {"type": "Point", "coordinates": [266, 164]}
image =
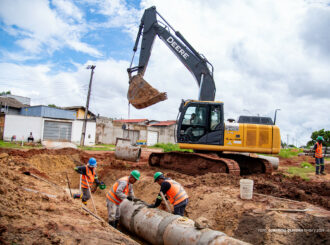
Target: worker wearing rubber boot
{"type": "Point", "coordinates": [174, 193]}
{"type": "Point", "coordinates": [122, 189]}
{"type": "Point", "coordinates": [319, 159]}
{"type": "Point", "coordinates": [89, 176]}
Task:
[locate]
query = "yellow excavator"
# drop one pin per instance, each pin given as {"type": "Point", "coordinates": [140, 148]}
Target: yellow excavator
{"type": "Point", "coordinates": [217, 146]}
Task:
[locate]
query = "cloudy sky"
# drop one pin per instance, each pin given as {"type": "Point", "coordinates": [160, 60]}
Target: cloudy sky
{"type": "Point", "coordinates": [267, 55]}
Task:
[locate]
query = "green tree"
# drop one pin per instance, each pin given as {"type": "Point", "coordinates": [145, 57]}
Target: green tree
{"type": "Point", "coordinates": [53, 105]}
{"type": "Point", "coordinates": [323, 133]}
{"type": "Point", "coordinates": [5, 92]}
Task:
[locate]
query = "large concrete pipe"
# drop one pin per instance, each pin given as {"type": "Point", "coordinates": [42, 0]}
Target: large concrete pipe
{"type": "Point", "coordinates": [125, 151]}
{"type": "Point", "coordinates": [161, 228]}
{"type": "Point", "coordinates": [273, 160]}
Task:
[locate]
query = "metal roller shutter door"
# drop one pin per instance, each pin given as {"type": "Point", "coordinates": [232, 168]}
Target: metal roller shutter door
{"type": "Point", "coordinates": [133, 135]}
{"type": "Point", "coordinates": [57, 130]}
{"type": "Point", "coordinates": [152, 138]}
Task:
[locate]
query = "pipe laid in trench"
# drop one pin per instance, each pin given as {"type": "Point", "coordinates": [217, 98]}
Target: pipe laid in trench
{"type": "Point", "coordinates": [161, 228]}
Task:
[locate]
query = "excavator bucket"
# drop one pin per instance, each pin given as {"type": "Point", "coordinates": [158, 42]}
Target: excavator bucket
{"type": "Point", "coordinates": [141, 94]}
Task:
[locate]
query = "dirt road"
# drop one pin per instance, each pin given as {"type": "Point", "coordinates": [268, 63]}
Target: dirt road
{"type": "Point", "coordinates": [33, 217]}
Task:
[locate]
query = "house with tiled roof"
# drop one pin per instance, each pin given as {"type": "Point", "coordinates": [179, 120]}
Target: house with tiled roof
{"type": "Point", "coordinates": [139, 131]}
{"type": "Point", "coordinates": [10, 105]}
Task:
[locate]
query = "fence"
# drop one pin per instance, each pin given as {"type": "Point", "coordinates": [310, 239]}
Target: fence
{"type": "Point", "coordinates": [325, 150]}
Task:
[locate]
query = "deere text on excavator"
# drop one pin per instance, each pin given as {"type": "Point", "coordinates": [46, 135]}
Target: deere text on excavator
{"type": "Point", "coordinates": [218, 146]}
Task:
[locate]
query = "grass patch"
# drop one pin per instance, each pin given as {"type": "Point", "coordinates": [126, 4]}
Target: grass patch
{"type": "Point", "coordinates": [4, 144]}
{"type": "Point", "coordinates": [98, 147]}
{"type": "Point", "coordinates": [302, 171]}
{"type": "Point", "coordinates": [170, 147]}
{"type": "Point", "coordinates": [287, 153]}
{"type": "Point", "coordinates": [18, 145]}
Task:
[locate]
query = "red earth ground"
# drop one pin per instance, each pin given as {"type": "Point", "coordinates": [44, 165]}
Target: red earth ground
{"type": "Point", "coordinates": [35, 218]}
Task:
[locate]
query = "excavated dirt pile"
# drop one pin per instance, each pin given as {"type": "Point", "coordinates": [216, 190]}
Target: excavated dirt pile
{"type": "Point", "coordinates": [35, 212]}
{"type": "Point", "coordinates": [213, 197]}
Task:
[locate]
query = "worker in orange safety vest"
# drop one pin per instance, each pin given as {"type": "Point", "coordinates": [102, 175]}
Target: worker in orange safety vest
{"type": "Point", "coordinates": [174, 192]}
{"type": "Point", "coordinates": [89, 176]}
{"type": "Point", "coordinates": [319, 160]}
{"type": "Point", "coordinates": [121, 189]}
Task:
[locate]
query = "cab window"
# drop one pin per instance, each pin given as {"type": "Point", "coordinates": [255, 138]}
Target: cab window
{"type": "Point", "coordinates": [215, 117]}
{"type": "Point", "coordinates": [195, 115]}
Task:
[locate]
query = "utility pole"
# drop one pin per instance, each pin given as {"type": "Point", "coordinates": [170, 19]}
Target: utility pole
{"type": "Point", "coordinates": [275, 115]}
{"type": "Point", "coordinates": [82, 140]}
{"type": "Point", "coordinates": [287, 141]}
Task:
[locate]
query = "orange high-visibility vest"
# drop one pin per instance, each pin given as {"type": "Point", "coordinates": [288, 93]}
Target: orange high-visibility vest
{"type": "Point", "coordinates": [176, 193]}
{"type": "Point", "coordinates": [89, 177]}
{"type": "Point", "coordinates": [111, 195]}
{"type": "Point", "coordinates": [318, 151]}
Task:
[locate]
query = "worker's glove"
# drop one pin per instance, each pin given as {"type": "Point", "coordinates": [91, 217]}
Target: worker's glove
{"type": "Point", "coordinates": [130, 198]}
{"type": "Point", "coordinates": [151, 206]}
{"type": "Point", "coordinates": [101, 185]}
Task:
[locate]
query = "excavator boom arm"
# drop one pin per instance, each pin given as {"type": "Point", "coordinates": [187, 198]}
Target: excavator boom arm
{"type": "Point", "coordinates": [192, 60]}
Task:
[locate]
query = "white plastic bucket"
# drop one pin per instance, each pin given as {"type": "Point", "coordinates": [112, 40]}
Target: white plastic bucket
{"type": "Point", "coordinates": [246, 188]}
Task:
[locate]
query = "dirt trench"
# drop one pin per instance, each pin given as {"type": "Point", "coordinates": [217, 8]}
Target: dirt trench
{"type": "Point", "coordinates": [214, 196]}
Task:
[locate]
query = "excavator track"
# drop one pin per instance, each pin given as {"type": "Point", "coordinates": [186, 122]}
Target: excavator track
{"type": "Point", "coordinates": [202, 163]}
{"type": "Point", "coordinates": [194, 163]}
{"type": "Point", "coordinates": [250, 163]}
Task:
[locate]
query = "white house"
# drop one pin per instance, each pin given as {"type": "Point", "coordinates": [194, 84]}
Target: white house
{"type": "Point", "coordinates": [47, 123]}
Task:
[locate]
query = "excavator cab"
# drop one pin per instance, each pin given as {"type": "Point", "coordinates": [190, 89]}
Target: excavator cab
{"type": "Point", "coordinates": [201, 122]}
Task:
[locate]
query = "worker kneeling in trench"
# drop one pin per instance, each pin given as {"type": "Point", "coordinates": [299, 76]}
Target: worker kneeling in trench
{"type": "Point", "coordinates": [122, 189]}
{"type": "Point", "coordinates": [174, 192]}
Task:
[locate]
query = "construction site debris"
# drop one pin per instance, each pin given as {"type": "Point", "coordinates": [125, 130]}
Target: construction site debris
{"type": "Point", "coordinates": [289, 210]}
{"type": "Point", "coordinates": [201, 223]}
{"type": "Point", "coordinates": [57, 144]}
{"type": "Point", "coordinates": [35, 191]}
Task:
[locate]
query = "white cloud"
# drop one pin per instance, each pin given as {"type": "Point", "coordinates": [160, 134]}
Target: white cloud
{"type": "Point", "coordinates": [69, 10]}
{"type": "Point", "coordinates": [118, 13]}
{"type": "Point", "coordinates": [39, 28]}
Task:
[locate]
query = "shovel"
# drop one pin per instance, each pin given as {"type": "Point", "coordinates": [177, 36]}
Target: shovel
{"type": "Point", "coordinates": [166, 203]}
{"type": "Point", "coordinates": [39, 178]}
{"type": "Point", "coordinates": [67, 178]}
